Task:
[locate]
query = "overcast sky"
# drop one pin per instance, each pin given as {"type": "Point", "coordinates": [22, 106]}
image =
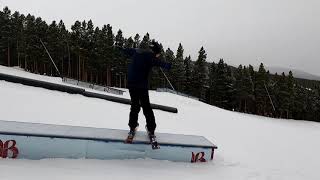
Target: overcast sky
{"type": "Point", "coordinates": [283, 33]}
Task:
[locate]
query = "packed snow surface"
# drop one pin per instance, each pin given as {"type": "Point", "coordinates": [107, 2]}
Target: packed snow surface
{"type": "Point", "coordinates": [250, 147]}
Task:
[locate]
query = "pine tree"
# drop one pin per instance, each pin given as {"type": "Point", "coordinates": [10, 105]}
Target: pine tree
{"type": "Point", "coordinates": [284, 99]}
{"type": "Point", "coordinates": [177, 72]}
{"type": "Point", "coordinates": [252, 77]}
{"type": "Point", "coordinates": [240, 93]}
{"type": "Point", "coordinates": [261, 95]}
{"type": "Point", "coordinates": [96, 63]}
{"type": "Point", "coordinates": [169, 56]}
{"type": "Point", "coordinates": [2, 38]}
{"type": "Point", "coordinates": [199, 75]}
{"type": "Point", "coordinates": [78, 38]}
{"type": "Point", "coordinates": [188, 71]}
{"type": "Point", "coordinates": [157, 77]}
{"type": "Point", "coordinates": [38, 55]}
{"type": "Point", "coordinates": [6, 34]}
{"type": "Point", "coordinates": [55, 45]}
{"type": "Point", "coordinates": [248, 91]}
{"type": "Point", "coordinates": [121, 62]}
{"type": "Point", "coordinates": [269, 109]}
{"type": "Point", "coordinates": [291, 91]}
{"type": "Point", "coordinates": [129, 43]}
{"type": "Point", "coordinates": [119, 41]}
{"type": "Point", "coordinates": [88, 54]}
{"type": "Point", "coordinates": [136, 43]}
{"type": "Point", "coordinates": [212, 83]}
{"type": "Point", "coordinates": [110, 36]}
{"type": "Point", "coordinates": [17, 40]}
{"type": "Point", "coordinates": [64, 41]}
{"type": "Point", "coordinates": [317, 114]}
{"type": "Point", "coordinates": [223, 86]}
{"type": "Point", "coordinates": [29, 38]}
{"type": "Point", "coordinates": [109, 54]}
{"type": "Point", "coordinates": [145, 42]}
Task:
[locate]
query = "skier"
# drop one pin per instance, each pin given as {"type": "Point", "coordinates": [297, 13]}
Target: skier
{"type": "Point", "coordinates": [138, 72]}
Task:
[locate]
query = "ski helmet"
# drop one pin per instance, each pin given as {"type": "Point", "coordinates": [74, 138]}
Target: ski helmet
{"type": "Point", "coordinates": [155, 47]}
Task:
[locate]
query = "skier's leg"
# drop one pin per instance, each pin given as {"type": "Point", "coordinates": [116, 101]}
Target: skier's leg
{"type": "Point", "coordinates": [135, 109]}
{"type": "Point", "coordinates": [147, 111]}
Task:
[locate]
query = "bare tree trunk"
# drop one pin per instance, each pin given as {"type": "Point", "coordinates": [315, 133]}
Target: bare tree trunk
{"type": "Point", "coordinates": [18, 53]}
{"type": "Point", "coordinates": [62, 74]}
{"type": "Point", "coordinates": [79, 70]}
{"type": "Point", "coordinates": [83, 71]}
{"type": "Point", "coordinates": [101, 78]}
{"type": "Point", "coordinates": [69, 63]}
{"type": "Point", "coordinates": [25, 62]}
{"type": "Point", "coordinates": [31, 65]}
{"type": "Point", "coordinates": [34, 66]}
{"type": "Point", "coordinates": [125, 81]}
{"type": "Point", "coordinates": [107, 76]}
{"type": "Point", "coordinates": [37, 67]}
{"type": "Point", "coordinates": [8, 54]}
{"type": "Point", "coordinates": [245, 106]}
{"type": "Point", "coordinates": [19, 63]}
{"type": "Point", "coordinates": [91, 77]}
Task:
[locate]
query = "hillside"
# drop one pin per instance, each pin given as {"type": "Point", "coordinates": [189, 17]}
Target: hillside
{"type": "Point", "coordinates": [297, 73]}
{"type": "Point", "coordinates": [250, 147]}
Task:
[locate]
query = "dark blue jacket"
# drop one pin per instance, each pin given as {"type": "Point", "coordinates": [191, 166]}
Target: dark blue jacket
{"type": "Point", "coordinates": [140, 67]}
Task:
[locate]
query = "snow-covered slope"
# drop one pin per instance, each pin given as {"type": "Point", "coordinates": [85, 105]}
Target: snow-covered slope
{"type": "Point", "coordinates": [250, 147]}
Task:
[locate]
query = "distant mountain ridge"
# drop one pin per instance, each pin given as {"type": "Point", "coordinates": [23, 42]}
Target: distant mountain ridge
{"type": "Point", "coordinates": [296, 73]}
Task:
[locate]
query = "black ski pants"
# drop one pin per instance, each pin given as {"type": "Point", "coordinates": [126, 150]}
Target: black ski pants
{"type": "Point", "coordinates": [140, 98]}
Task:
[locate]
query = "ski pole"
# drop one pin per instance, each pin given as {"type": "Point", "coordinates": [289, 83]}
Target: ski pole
{"type": "Point", "coordinates": [167, 79]}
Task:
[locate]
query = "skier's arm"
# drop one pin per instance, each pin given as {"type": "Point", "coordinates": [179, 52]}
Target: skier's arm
{"type": "Point", "coordinates": [126, 51]}
{"type": "Point", "coordinates": [160, 63]}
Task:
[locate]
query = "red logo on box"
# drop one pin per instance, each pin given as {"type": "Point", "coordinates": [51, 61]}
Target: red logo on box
{"type": "Point", "coordinates": [8, 149]}
{"type": "Point", "coordinates": [199, 157]}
